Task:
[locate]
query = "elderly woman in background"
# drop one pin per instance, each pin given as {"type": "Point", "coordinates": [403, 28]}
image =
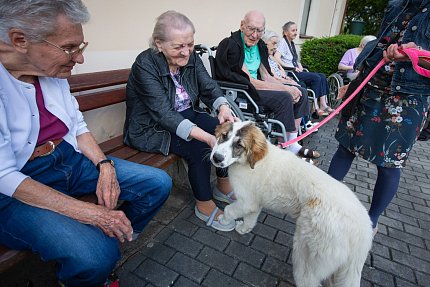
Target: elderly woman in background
{"type": "Point", "coordinates": [348, 59]}
{"type": "Point", "coordinates": [166, 84]}
{"type": "Point", "coordinates": [287, 56]}
{"type": "Point", "coordinates": [49, 158]}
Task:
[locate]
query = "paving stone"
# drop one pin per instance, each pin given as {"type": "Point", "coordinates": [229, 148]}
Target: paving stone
{"type": "Point", "coordinates": [413, 213]}
{"type": "Point", "coordinates": [128, 279]}
{"type": "Point", "coordinates": [134, 261]}
{"type": "Point", "coordinates": [183, 226]}
{"type": "Point", "coordinates": [284, 239]}
{"type": "Point", "coordinates": [264, 231]}
{"type": "Point", "coordinates": [211, 239]}
{"type": "Point", "coordinates": [399, 270]}
{"type": "Point", "coordinates": [378, 277]}
{"type": "Point", "coordinates": [404, 283]}
{"type": "Point", "coordinates": [188, 267]}
{"type": "Point", "coordinates": [254, 277]}
{"type": "Point", "coordinates": [184, 282]}
{"type": "Point", "coordinates": [423, 279]}
{"type": "Point", "coordinates": [184, 244]}
{"type": "Point", "coordinates": [411, 261]}
{"type": "Point", "coordinates": [218, 279]}
{"type": "Point", "coordinates": [271, 248]}
{"type": "Point", "coordinates": [218, 260]}
{"type": "Point", "coordinates": [155, 273]}
{"type": "Point", "coordinates": [244, 253]}
{"type": "Point", "coordinates": [421, 253]}
{"type": "Point", "coordinates": [401, 217]}
{"type": "Point", "coordinates": [406, 237]}
{"type": "Point", "coordinates": [245, 239]}
{"type": "Point", "coordinates": [419, 232]}
{"type": "Point", "coordinates": [279, 269]}
{"type": "Point", "coordinates": [380, 250]}
{"type": "Point", "coordinates": [280, 224]}
{"type": "Point", "coordinates": [158, 252]}
{"type": "Point", "coordinates": [390, 222]}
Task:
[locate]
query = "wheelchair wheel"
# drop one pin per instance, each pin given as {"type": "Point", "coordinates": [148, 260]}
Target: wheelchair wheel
{"type": "Point", "coordinates": [334, 81]}
{"type": "Point", "coordinates": [235, 110]}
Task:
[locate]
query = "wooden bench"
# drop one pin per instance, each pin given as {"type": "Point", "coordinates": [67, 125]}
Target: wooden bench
{"type": "Point", "coordinates": [114, 93]}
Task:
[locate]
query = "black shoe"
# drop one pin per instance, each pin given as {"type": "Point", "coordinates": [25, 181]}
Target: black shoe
{"type": "Point", "coordinates": [315, 115]}
{"type": "Point", "coordinates": [424, 135]}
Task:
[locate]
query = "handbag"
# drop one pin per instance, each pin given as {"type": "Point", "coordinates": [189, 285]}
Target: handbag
{"type": "Point", "coordinates": [353, 85]}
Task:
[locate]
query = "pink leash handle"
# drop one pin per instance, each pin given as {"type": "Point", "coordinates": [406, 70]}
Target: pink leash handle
{"type": "Point", "coordinates": [337, 110]}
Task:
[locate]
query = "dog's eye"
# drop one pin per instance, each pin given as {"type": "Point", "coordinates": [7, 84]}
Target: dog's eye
{"type": "Point", "coordinates": [238, 144]}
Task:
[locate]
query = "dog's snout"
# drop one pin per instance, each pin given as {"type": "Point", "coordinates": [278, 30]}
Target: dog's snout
{"type": "Point", "coordinates": [217, 158]}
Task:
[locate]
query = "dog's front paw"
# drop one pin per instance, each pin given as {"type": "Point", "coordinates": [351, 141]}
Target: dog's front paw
{"type": "Point", "coordinates": [224, 220]}
{"type": "Point", "coordinates": [242, 228]}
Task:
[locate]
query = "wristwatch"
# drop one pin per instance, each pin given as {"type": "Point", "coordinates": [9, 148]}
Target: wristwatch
{"type": "Point", "coordinates": [103, 162]}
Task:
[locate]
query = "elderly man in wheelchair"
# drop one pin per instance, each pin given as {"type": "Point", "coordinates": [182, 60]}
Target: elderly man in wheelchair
{"type": "Point", "coordinates": [243, 58]}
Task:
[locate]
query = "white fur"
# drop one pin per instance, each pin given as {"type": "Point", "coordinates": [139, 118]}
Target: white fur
{"type": "Point", "coordinates": [333, 230]}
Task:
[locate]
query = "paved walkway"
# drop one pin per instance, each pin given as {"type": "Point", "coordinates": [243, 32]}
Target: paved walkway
{"type": "Point", "coordinates": [177, 249]}
{"type": "Point", "coordinates": [187, 253]}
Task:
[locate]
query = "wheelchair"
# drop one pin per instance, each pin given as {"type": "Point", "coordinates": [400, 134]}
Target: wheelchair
{"type": "Point", "coordinates": [241, 103]}
{"type": "Point", "coordinates": [335, 81]}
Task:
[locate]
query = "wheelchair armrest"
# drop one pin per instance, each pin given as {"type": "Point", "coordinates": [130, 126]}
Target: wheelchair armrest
{"type": "Point", "coordinates": [232, 85]}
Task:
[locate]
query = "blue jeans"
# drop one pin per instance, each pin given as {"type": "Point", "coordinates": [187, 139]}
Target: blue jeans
{"type": "Point", "coordinates": [85, 255]}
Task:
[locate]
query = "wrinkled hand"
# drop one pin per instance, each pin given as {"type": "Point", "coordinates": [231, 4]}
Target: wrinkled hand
{"type": "Point", "coordinates": [341, 92]}
{"type": "Point", "coordinates": [107, 187]}
{"type": "Point", "coordinates": [295, 93]}
{"type": "Point", "coordinates": [225, 115]}
{"type": "Point", "coordinates": [113, 223]}
{"type": "Point", "coordinates": [392, 53]}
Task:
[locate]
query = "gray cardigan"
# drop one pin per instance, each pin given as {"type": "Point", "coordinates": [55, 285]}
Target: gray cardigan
{"type": "Point", "coordinates": [151, 116]}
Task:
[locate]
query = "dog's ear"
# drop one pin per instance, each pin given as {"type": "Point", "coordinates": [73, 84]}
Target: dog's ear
{"type": "Point", "coordinates": [255, 144]}
{"type": "Point", "coordinates": [223, 129]}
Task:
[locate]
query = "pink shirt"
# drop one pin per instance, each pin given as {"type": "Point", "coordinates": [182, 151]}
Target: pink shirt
{"type": "Point", "coordinates": [51, 128]}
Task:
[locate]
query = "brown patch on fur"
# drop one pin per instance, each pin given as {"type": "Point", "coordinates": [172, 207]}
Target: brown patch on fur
{"type": "Point", "coordinates": [314, 202]}
{"type": "Point", "coordinates": [254, 142]}
{"type": "Point", "coordinates": [222, 131]}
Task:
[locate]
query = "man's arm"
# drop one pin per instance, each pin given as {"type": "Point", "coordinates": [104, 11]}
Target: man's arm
{"type": "Point", "coordinates": [268, 82]}
{"type": "Point", "coordinates": [107, 186]}
{"type": "Point", "coordinates": [113, 223]}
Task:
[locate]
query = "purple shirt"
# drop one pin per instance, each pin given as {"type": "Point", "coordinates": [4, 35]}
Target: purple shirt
{"type": "Point", "coordinates": [51, 128]}
{"type": "Point", "coordinates": [348, 58]}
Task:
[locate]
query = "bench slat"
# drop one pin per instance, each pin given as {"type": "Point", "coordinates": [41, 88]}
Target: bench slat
{"type": "Point", "coordinates": [100, 99]}
{"type": "Point", "coordinates": [91, 81]}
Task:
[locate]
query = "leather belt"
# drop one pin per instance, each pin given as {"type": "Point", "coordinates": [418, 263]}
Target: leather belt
{"type": "Point", "coordinates": [45, 149]}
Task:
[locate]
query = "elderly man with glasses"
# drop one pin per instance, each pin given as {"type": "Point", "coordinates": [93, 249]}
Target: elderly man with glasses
{"type": "Point", "coordinates": [243, 58]}
{"type": "Point", "coordinates": [49, 158]}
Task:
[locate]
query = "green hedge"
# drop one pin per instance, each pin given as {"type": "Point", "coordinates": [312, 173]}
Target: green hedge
{"type": "Point", "coordinates": [323, 54]}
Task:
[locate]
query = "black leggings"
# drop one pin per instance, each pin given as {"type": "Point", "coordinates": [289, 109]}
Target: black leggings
{"type": "Point", "coordinates": [386, 184]}
{"type": "Point", "coordinates": [196, 154]}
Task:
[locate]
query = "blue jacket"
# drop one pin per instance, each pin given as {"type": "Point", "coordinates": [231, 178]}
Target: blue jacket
{"type": "Point", "coordinates": [405, 79]}
{"type": "Point", "coordinates": [151, 116]}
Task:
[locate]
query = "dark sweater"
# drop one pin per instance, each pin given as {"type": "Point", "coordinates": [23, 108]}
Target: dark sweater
{"type": "Point", "coordinates": [229, 60]}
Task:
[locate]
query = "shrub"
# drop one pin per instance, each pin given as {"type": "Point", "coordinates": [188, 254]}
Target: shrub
{"type": "Point", "coordinates": [323, 54]}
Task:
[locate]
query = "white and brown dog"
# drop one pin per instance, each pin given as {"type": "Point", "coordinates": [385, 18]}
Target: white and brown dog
{"type": "Point", "coordinates": [333, 230]}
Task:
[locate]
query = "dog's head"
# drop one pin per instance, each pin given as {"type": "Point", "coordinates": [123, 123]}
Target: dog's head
{"type": "Point", "coordinates": [240, 142]}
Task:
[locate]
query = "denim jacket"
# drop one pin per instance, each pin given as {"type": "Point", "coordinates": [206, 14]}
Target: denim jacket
{"type": "Point", "coordinates": [405, 79]}
{"type": "Point", "coordinates": [151, 114]}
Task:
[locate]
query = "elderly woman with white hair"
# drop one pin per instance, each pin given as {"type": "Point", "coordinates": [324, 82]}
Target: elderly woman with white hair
{"type": "Point", "coordinates": [348, 59]}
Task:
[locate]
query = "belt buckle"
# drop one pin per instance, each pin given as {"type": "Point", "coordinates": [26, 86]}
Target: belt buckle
{"type": "Point", "coordinates": [52, 144]}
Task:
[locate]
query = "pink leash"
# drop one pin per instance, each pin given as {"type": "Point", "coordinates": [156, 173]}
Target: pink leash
{"type": "Point", "coordinates": [412, 53]}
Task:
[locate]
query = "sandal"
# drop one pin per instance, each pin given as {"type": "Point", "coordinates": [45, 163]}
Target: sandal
{"type": "Point", "coordinates": [311, 161]}
{"type": "Point", "coordinates": [328, 110]}
{"type": "Point", "coordinates": [215, 223]}
{"type": "Point", "coordinates": [322, 113]}
{"type": "Point", "coordinates": [218, 195]}
{"type": "Point", "coordinates": [308, 153]}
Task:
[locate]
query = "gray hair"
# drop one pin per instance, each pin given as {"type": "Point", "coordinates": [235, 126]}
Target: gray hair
{"type": "Point", "coordinates": [167, 21]}
{"type": "Point", "coordinates": [268, 34]}
{"type": "Point", "coordinates": [38, 18]}
{"type": "Point", "coordinates": [287, 26]}
{"type": "Point", "coordinates": [366, 39]}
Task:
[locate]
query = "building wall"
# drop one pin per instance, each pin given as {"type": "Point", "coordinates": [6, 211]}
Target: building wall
{"type": "Point", "coordinates": [119, 30]}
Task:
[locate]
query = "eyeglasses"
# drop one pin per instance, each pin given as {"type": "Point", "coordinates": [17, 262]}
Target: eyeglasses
{"type": "Point", "coordinates": [71, 53]}
{"type": "Point", "coordinates": [252, 30]}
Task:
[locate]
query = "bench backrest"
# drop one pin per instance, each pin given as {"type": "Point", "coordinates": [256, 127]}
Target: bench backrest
{"type": "Point", "coordinates": [91, 83]}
